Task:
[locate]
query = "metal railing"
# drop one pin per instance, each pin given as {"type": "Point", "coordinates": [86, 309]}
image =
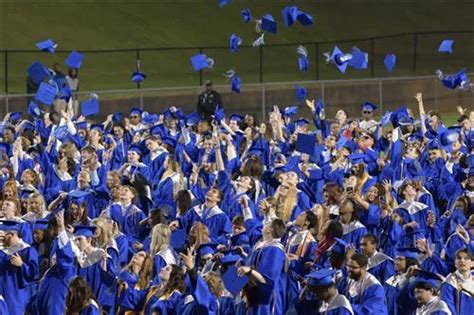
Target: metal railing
{"type": "Point", "coordinates": [109, 69]}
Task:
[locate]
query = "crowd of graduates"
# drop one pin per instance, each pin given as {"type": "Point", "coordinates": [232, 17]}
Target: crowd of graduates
{"type": "Point", "coordinates": [171, 213]}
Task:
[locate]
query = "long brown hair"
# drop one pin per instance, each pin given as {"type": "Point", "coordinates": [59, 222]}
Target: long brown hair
{"type": "Point", "coordinates": [199, 234]}
{"type": "Point", "coordinates": [175, 282]}
{"type": "Point", "coordinates": [145, 273]}
{"type": "Point", "coordinates": [79, 296]}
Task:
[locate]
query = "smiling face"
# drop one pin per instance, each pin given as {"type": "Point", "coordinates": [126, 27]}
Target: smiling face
{"type": "Point", "coordinates": [372, 194]}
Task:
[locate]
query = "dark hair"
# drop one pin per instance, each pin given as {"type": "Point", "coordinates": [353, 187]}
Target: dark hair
{"type": "Point", "coordinates": [88, 149]}
{"type": "Point", "coordinates": [348, 202]}
{"type": "Point", "coordinates": [311, 218]}
{"type": "Point", "coordinates": [238, 220]}
{"type": "Point", "coordinates": [334, 229]}
{"type": "Point", "coordinates": [463, 250]}
{"type": "Point", "coordinates": [423, 285]}
{"type": "Point", "coordinates": [279, 228]}
{"type": "Point", "coordinates": [78, 296]}
{"type": "Point", "coordinates": [70, 71]}
{"type": "Point", "coordinates": [54, 117]}
{"type": "Point", "coordinates": [360, 259]}
{"type": "Point", "coordinates": [253, 167]}
{"type": "Point", "coordinates": [83, 219]}
{"type": "Point", "coordinates": [334, 192]}
{"type": "Point", "coordinates": [411, 262]}
{"type": "Point", "coordinates": [371, 238]}
{"type": "Point", "coordinates": [176, 280]}
{"type": "Point", "coordinates": [183, 201]}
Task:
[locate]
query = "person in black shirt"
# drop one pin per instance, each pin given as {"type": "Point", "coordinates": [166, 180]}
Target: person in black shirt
{"type": "Point", "coordinates": [208, 101]}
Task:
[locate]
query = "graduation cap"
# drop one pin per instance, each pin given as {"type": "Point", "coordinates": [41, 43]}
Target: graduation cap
{"type": "Point", "coordinates": [117, 117]}
{"type": "Point", "coordinates": [322, 277]}
{"type": "Point", "coordinates": [359, 60]}
{"type": "Point", "coordinates": [290, 111]}
{"type": "Point", "coordinates": [408, 252]}
{"type": "Point", "coordinates": [236, 117]}
{"type": "Point", "coordinates": [259, 41]}
{"type": "Point", "coordinates": [368, 107]}
{"type": "Point", "coordinates": [448, 137]}
{"type": "Point", "coordinates": [157, 130]}
{"type": "Point", "coordinates": [150, 119]}
{"type": "Point", "coordinates": [219, 113]}
{"type": "Point", "coordinates": [356, 158]}
{"type": "Point", "coordinates": [15, 117]}
{"type": "Point", "coordinates": [256, 151]}
{"type": "Point", "coordinates": [446, 46]}
{"type": "Point", "coordinates": [138, 77]}
{"type": "Point", "coordinates": [303, 62]}
{"type": "Point", "coordinates": [135, 148]}
{"type": "Point", "coordinates": [269, 24]}
{"type": "Point", "coordinates": [230, 259]}
{"type": "Point", "coordinates": [301, 92]}
{"type": "Point", "coordinates": [207, 249]}
{"type": "Point", "coordinates": [304, 18]}
{"type": "Point", "coordinates": [201, 61]}
{"type": "Point", "coordinates": [406, 121]}
{"type": "Point", "coordinates": [37, 72]}
{"type": "Point", "coordinates": [386, 118]}
{"type": "Point", "coordinates": [136, 111]}
{"type": "Point", "coordinates": [415, 137]}
{"type": "Point", "coordinates": [178, 238]}
{"type": "Point", "coordinates": [234, 42]}
{"type": "Point", "coordinates": [232, 282]}
{"type": "Point", "coordinates": [306, 144]}
{"type": "Point", "coordinates": [223, 3]}
{"type": "Point", "coordinates": [339, 246]}
{"type": "Point", "coordinates": [84, 230]}
{"type": "Point", "coordinates": [289, 15]}
{"type": "Point", "coordinates": [90, 107]}
{"type": "Point", "coordinates": [41, 225]}
{"type": "Point", "coordinates": [48, 45]}
{"type": "Point", "coordinates": [74, 60]}
{"type": "Point", "coordinates": [433, 279]}
{"type": "Point", "coordinates": [169, 141]}
{"type": "Point", "coordinates": [78, 196]}
{"type": "Point", "coordinates": [9, 225]}
{"type": "Point", "coordinates": [246, 15]}
{"type": "Point", "coordinates": [390, 61]}
{"type": "Point", "coordinates": [301, 121]}
{"type": "Point", "coordinates": [453, 81]}
{"type": "Point", "coordinates": [193, 119]}
{"type": "Point", "coordinates": [98, 127]}
{"type": "Point", "coordinates": [338, 58]}
{"type": "Point", "coordinates": [46, 93]}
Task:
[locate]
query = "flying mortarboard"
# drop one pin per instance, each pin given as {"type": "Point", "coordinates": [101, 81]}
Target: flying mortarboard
{"type": "Point", "coordinates": [390, 61]}
{"type": "Point", "coordinates": [33, 109]}
{"type": "Point", "coordinates": [232, 282]}
{"type": "Point", "coordinates": [46, 93]}
{"type": "Point", "coordinates": [201, 61]}
{"type": "Point", "coordinates": [453, 81]}
{"type": "Point", "coordinates": [359, 60]}
{"type": "Point", "coordinates": [290, 111]}
{"type": "Point", "coordinates": [234, 42]}
{"type": "Point", "coordinates": [138, 77]}
{"type": "Point", "coordinates": [90, 107]}
{"type": "Point", "coordinates": [269, 24]}
{"type": "Point", "coordinates": [289, 15]}
{"type": "Point", "coordinates": [304, 18]}
{"type": "Point", "coordinates": [446, 46]}
{"type": "Point", "coordinates": [235, 84]}
{"type": "Point", "coordinates": [306, 144]}
{"type": "Point", "coordinates": [338, 58]}
{"type": "Point", "coordinates": [246, 15]}
{"type": "Point", "coordinates": [301, 92]}
{"type": "Point", "coordinates": [303, 62]}
{"type": "Point", "coordinates": [223, 3]}
{"type": "Point", "coordinates": [47, 45]}
{"type": "Point", "coordinates": [37, 72]}
{"type": "Point", "coordinates": [74, 60]}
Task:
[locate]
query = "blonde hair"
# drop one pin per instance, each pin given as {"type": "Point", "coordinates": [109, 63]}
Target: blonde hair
{"type": "Point", "coordinates": [199, 234]}
{"type": "Point", "coordinates": [286, 204]}
{"type": "Point", "coordinates": [160, 238]}
{"type": "Point", "coordinates": [215, 283]}
{"type": "Point", "coordinates": [106, 233]}
{"type": "Point", "coordinates": [173, 167]}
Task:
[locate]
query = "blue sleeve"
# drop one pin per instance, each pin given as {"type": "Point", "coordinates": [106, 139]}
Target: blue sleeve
{"type": "Point", "coordinates": [29, 269]}
{"type": "Point", "coordinates": [448, 295]}
{"type": "Point", "coordinates": [132, 299]}
{"type": "Point", "coordinates": [158, 264]}
{"type": "Point", "coordinates": [168, 306]}
{"type": "Point", "coordinates": [373, 301]}
{"type": "Point", "coordinates": [270, 267]}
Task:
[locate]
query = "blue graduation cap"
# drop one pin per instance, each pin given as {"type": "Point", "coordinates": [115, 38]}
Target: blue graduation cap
{"type": "Point", "coordinates": [359, 60]}
{"type": "Point", "coordinates": [339, 246]}
{"type": "Point", "coordinates": [74, 60]}
{"type": "Point", "coordinates": [223, 3]}
{"type": "Point", "coordinates": [408, 252]}
{"type": "Point", "coordinates": [446, 46]}
{"type": "Point", "coordinates": [90, 107]}
{"type": "Point", "coordinates": [453, 81]}
{"type": "Point", "coordinates": [230, 259]}
{"type": "Point", "coordinates": [157, 130]}
{"type": "Point", "coordinates": [431, 278]}
{"type": "Point", "coordinates": [60, 132]}
{"type": "Point", "coordinates": [356, 158]}
{"type": "Point", "coordinates": [406, 121]}
{"type": "Point", "coordinates": [48, 45]}
{"type": "Point", "coordinates": [301, 121]}
{"type": "Point", "coordinates": [390, 61]}
{"type": "Point", "coordinates": [136, 111]}
{"type": "Point", "coordinates": [150, 119]}
{"type": "Point", "coordinates": [269, 24]}
{"type": "Point", "coordinates": [9, 225]}
{"type": "Point", "coordinates": [37, 72]}
{"type": "Point", "coordinates": [135, 148]}
{"type": "Point", "coordinates": [447, 138]}
{"type": "Point", "coordinates": [236, 117]}
{"type": "Point", "coordinates": [46, 93]}
{"type": "Point", "coordinates": [338, 58]}
{"type": "Point", "coordinates": [305, 143]}
{"type": "Point", "coordinates": [322, 277]}
{"type": "Point", "coordinates": [138, 77]}
{"type": "Point", "coordinates": [319, 107]}
{"type": "Point", "coordinates": [219, 114]}
{"type": "Point", "coordinates": [84, 230]}
{"type": "Point", "coordinates": [78, 196]}
{"type": "Point", "coordinates": [200, 62]}
{"type": "Point", "coordinates": [193, 119]}
{"type": "Point", "coordinates": [169, 141]}
{"type": "Point", "coordinates": [415, 137]}
{"type": "Point", "coordinates": [246, 15]}
{"type": "Point", "coordinates": [303, 63]}
{"type": "Point", "coordinates": [304, 18]}
{"type": "Point", "coordinates": [98, 127]}
{"type": "Point", "coordinates": [290, 111]}
{"type": "Point", "coordinates": [235, 41]}
{"type": "Point", "coordinates": [289, 15]}
{"type": "Point", "coordinates": [15, 117]}
{"type": "Point", "coordinates": [386, 118]}
{"type": "Point", "coordinates": [368, 107]}
{"type": "Point", "coordinates": [117, 117]}
{"type": "Point", "coordinates": [235, 84]}
{"type": "Point", "coordinates": [301, 92]}
{"type": "Point", "coordinates": [256, 151]}
{"type": "Point", "coordinates": [232, 282]}
{"type": "Point", "coordinates": [41, 225]}
{"type": "Point", "coordinates": [207, 249]}
{"type": "Point", "coordinates": [178, 238]}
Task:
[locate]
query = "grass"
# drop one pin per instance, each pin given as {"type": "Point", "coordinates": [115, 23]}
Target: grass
{"type": "Point", "coordinates": [101, 24]}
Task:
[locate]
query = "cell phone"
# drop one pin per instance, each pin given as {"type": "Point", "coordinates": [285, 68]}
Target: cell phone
{"type": "Point", "coordinates": [350, 189]}
{"type": "Point", "coordinates": [382, 200]}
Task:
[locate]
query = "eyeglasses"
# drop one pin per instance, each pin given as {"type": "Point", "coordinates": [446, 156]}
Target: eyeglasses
{"type": "Point", "coordinates": [353, 267]}
{"type": "Point", "coordinates": [367, 112]}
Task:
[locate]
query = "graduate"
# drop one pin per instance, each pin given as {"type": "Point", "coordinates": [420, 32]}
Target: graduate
{"type": "Point", "coordinates": [160, 250]}
{"type": "Point", "coordinates": [18, 267]}
{"type": "Point", "coordinates": [428, 303]}
{"type": "Point", "coordinates": [80, 299]}
{"type": "Point", "coordinates": [364, 291]}
{"type": "Point", "coordinates": [353, 229]}
{"type": "Point", "coordinates": [380, 265]}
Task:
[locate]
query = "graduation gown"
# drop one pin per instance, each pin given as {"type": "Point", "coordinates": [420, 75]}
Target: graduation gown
{"type": "Point", "coordinates": [434, 307]}
{"type": "Point", "coordinates": [381, 266]}
{"type": "Point", "coordinates": [353, 232]}
{"type": "Point", "coordinates": [339, 305]}
{"type": "Point", "coordinates": [366, 296]}
{"type": "Point", "coordinates": [161, 259]}
{"type": "Point", "coordinates": [14, 281]}
{"type": "Point", "coordinates": [459, 302]}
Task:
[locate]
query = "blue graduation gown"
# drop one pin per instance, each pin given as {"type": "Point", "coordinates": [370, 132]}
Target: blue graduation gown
{"type": "Point", "coordinates": [270, 261]}
{"type": "Point", "coordinates": [91, 309]}
{"type": "Point", "coordinates": [14, 281]}
{"type": "Point", "coordinates": [338, 306]}
{"type": "Point", "coordinates": [52, 289]}
{"type": "Point", "coordinates": [459, 302]}
{"type": "Point", "coordinates": [369, 298]}
{"type": "Point", "coordinates": [161, 259]}
{"type": "Point", "coordinates": [353, 233]}
{"type": "Point", "coordinates": [381, 266]}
